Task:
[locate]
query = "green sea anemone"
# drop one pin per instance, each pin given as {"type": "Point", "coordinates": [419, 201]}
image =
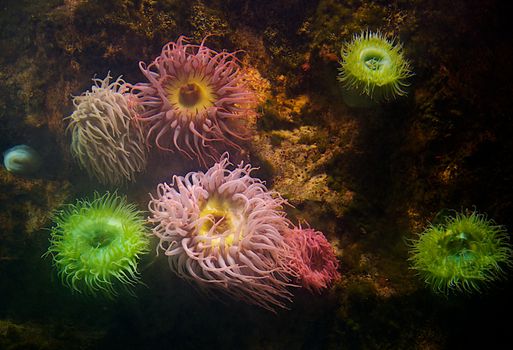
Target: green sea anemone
{"type": "Point", "coordinates": [374, 66]}
{"type": "Point", "coordinates": [464, 254]}
{"type": "Point", "coordinates": [96, 244]}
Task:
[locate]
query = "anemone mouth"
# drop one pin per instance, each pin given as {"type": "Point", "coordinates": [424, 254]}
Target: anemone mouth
{"type": "Point", "coordinates": [102, 234]}
{"type": "Point", "coordinates": [457, 242]}
{"type": "Point", "coordinates": [101, 239]}
{"type": "Point", "coordinates": [375, 59]}
{"type": "Point", "coordinates": [460, 247]}
{"type": "Point", "coordinates": [220, 223]}
{"type": "Point", "coordinates": [191, 95]}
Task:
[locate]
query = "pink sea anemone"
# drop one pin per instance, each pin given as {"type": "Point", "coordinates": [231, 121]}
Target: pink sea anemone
{"type": "Point", "coordinates": [315, 261]}
{"type": "Point", "coordinates": [195, 102]}
{"type": "Point", "coordinates": [224, 230]}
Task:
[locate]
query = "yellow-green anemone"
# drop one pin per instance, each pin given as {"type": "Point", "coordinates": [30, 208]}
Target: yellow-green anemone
{"type": "Point", "coordinates": [374, 66]}
{"type": "Point", "coordinates": [96, 245]}
{"type": "Point", "coordinates": [464, 254]}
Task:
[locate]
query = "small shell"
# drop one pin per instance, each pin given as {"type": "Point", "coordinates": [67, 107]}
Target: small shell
{"type": "Point", "coordinates": [22, 160]}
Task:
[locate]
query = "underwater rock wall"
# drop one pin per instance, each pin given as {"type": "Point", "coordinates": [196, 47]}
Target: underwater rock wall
{"type": "Point", "coordinates": [368, 178]}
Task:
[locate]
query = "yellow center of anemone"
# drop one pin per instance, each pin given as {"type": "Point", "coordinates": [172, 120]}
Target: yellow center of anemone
{"type": "Point", "coordinates": [221, 225]}
{"type": "Point", "coordinates": [191, 94]}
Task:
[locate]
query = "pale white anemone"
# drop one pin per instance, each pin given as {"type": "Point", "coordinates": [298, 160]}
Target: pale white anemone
{"type": "Point", "coordinates": [106, 140]}
{"type": "Point", "coordinates": [224, 230]}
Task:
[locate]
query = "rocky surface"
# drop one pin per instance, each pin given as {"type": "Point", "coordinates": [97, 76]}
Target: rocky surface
{"type": "Point", "coordinates": [370, 179]}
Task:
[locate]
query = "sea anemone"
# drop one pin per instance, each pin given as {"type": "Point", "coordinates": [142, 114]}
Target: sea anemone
{"type": "Point", "coordinates": [464, 254]}
{"type": "Point", "coordinates": [224, 230]}
{"type": "Point", "coordinates": [106, 139]}
{"type": "Point", "coordinates": [21, 160]}
{"type": "Point", "coordinates": [96, 245]}
{"type": "Point", "coordinates": [374, 66]}
{"type": "Point", "coordinates": [195, 102]}
{"type": "Point", "coordinates": [315, 261]}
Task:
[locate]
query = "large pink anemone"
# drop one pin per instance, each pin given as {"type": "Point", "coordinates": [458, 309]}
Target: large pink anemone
{"type": "Point", "coordinates": [315, 261]}
{"type": "Point", "coordinates": [224, 230]}
{"type": "Point", "coordinates": [195, 100]}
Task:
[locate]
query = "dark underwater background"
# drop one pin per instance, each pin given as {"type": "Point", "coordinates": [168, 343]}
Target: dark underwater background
{"type": "Point", "coordinates": [370, 179]}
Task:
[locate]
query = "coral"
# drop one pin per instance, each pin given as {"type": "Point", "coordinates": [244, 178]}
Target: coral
{"type": "Point", "coordinates": [374, 66]}
{"type": "Point", "coordinates": [21, 159]}
{"type": "Point", "coordinates": [315, 262]}
{"type": "Point", "coordinates": [106, 139]}
{"type": "Point", "coordinates": [195, 100]}
{"type": "Point", "coordinates": [96, 245]}
{"type": "Point", "coordinates": [464, 254]}
{"type": "Point", "coordinates": [224, 230]}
